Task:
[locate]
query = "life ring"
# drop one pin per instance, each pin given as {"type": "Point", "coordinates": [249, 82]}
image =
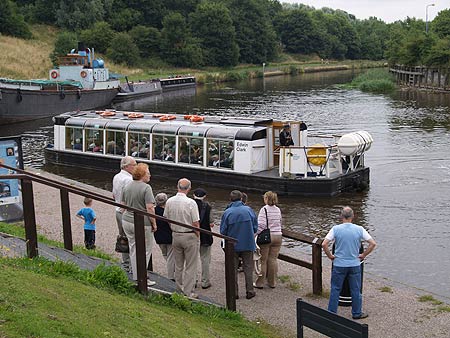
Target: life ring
{"type": "Point", "coordinates": [83, 74]}
{"type": "Point", "coordinates": [54, 74]}
{"type": "Point", "coordinates": [188, 117]}
{"type": "Point", "coordinates": [135, 115]}
{"type": "Point", "coordinates": [167, 117]}
{"type": "Point", "coordinates": [196, 118]}
{"type": "Point", "coordinates": [157, 115]}
{"type": "Point", "coordinates": [317, 155]}
{"type": "Point", "coordinates": [107, 113]}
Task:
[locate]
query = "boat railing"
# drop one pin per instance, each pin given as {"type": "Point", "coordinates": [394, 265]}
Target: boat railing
{"type": "Point", "coordinates": [27, 178]}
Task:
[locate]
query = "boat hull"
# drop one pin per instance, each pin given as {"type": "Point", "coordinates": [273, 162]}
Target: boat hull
{"type": "Point", "coordinates": [357, 180]}
{"type": "Point", "coordinates": [28, 105]}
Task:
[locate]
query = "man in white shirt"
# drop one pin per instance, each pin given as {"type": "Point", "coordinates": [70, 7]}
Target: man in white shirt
{"type": "Point", "coordinates": [185, 242]}
{"type": "Point", "coordinates": [120, 180]}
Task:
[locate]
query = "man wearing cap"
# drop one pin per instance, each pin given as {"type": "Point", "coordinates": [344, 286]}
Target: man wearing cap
{"type": "Point", "coordinates": [286, 137]}
{"type": "Point", "coordinates": [204, 209]}
{"type": "Point", "coordinates": [239, 221]}
{"type": "Point", "coordinates": [185, 241]}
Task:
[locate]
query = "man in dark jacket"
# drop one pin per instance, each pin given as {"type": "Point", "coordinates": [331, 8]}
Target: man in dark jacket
{"type": "Point", "coordinates": [286, 136]}
{"type": "Point", "coordinates": [239, 221]}
{"type": "Point", "coordinates": [204, 210]}
{"type": "Point", "coordinates": [163, 236]}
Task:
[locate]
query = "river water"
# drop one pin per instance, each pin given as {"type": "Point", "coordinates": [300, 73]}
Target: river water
{"type": "Point", "coordinates": [406, 208]}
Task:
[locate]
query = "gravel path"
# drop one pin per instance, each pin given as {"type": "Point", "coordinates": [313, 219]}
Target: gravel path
{"type": "Point", "coordinates": [394, 309]}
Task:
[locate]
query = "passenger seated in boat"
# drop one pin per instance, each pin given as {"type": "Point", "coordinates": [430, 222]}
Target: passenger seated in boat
{"type": "Point", "coordinates": [184, 157]}
{"type": "Point", "coordinates": [111, 147]}
{"type": "Point", "coordinates": [77, 145]}
{"type": "Point", "coordinates": [196, 155]}
{"type": "Point", "coordinates": [97, 147]}
{"type": "Point", "coordinates": [212, 149]}
{"type": "Point", "coordinates": [227, 161]}
{"type": "Point", "coordinates": [214, 161]}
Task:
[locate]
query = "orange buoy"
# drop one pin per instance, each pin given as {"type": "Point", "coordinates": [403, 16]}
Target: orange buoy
{"type": "Point", "coordinates": [157, 115]}
{"type": "Point", "coordinates": [188, 117]}
{"type": "Point", "coordinates": [135, 115]}
{"type": "Point", "coordinates": [167, 117]}
{"type": "Point", "coordinates": [54, 74]}
{"type": "Point", "coordinates": [196, 118]}
{"type": "Point", "coordinates": [107, 114]}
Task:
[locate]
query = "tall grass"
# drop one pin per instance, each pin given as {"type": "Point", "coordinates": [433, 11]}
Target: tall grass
{"type": "Point", "coordinates": [374, 81]}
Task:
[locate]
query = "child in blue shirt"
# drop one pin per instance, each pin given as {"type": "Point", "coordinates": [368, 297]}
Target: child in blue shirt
{"type": "Point", "coordinates": [87, 214]}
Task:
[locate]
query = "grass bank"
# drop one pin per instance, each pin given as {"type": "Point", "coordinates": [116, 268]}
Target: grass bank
{"type": "Point", "coordinates": [29, 59]}
{"type": "Point", "coordinates": [58, 299]}
{"type": "Point", "coordinates": [375, 81]}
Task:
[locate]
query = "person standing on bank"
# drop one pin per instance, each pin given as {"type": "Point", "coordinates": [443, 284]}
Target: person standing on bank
{"type": "Point", "coordinates": [127, 165]}
{"type": "Point", "coordinates": [139, 195]}
{"type": "Point", "coordinates": [185, 242]}
{"type": "Point", "coordinates": [347, 260]}
{"type": "Point", "coordinates": [163, 236]}
{"type": "Point", "coordinates": [204, 210]}
{"type": "Point", "coordinates": [286, 136]}
{"type": "Point", "coordinates": [239, 221]}
{"type": "Point", "coordinates": [269, 217]}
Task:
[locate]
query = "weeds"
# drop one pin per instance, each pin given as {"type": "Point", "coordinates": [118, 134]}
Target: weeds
{"type": "Point", "coordinates": [429, 299]}
{"type": "Point", "coordinates": [386, 289]}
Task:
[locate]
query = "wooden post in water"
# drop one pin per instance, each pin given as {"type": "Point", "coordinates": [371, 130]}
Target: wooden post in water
{"type": "Point", "coordinates": [29, 218]}
{"type": "Point", "coordinates": [230, 276]}
{"type": "Point", "coordinates": [141, 264]}
{"type": "Point", "coordinates": [65, 214]}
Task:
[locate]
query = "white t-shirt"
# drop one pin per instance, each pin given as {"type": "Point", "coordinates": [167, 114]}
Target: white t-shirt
{"type": "Point", "coordinates": [120, 180]}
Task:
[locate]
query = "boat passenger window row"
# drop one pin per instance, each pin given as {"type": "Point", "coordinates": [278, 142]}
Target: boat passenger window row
{"type": "Point", "coordinates": [220, 153]}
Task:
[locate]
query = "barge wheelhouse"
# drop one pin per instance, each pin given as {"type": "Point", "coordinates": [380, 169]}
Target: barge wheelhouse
{"type": "Point", "coordinates": [236, 153]}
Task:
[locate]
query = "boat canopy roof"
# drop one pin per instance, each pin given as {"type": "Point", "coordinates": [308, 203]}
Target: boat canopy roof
{"type": "Point", "coordinates": [211, 127]}
{"type": "Point", "coordinates": [42, 82]}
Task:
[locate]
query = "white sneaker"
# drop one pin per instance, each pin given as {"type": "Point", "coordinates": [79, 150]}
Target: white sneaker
{"type": "Point", "coordinates": [150, 282]}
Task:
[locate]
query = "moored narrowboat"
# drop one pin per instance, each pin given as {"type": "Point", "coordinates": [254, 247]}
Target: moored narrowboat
{"type": "Point", "coordinates": [230, 152]}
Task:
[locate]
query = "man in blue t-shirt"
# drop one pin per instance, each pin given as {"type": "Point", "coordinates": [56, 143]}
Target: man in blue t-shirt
{"type": "Point", "coordinates": [347, 260]}
{"type": "Point", "coordinates": [87, 214]}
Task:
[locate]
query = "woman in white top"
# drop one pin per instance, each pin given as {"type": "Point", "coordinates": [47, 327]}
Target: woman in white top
{"type": "Point", "coordinates": [269, 216]}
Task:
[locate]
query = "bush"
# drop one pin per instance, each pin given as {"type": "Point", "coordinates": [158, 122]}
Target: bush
{"type": "Point", "coordinates": [98, 37]}
{"type": "Point", "coordinates": [148, 40]}
{"type": "Point", "coordinates": [12, 23]}
{"type": "Point", "coordinates": [377, 86]}
{"type": "Point", "coordinates": [123, 50]}
{"type": "Point", "coordinates": [65, 42]}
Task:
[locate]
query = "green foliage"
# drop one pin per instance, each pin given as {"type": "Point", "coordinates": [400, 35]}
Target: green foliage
{"type": "Point", "coordinates": [125, 19]}
{"type": "Point", "coordinates": [110, 277]}
{"type": "Point", "coordinates": [374, 81]}
{"type": "Point", "coordinates": [148, 40]}
{"type": "Point", "coordinates": [65, 42]}
{"type": "Point", "coordinates": [441, 24]}
{"type": "Point", "coordinates": [211, 23]}
{"type": "Point", "coordinates": [123, 50]}
{"type": "Point", "coordinates": [12, 23]}
{"type": "Point", "coordinates": [80, 14]}
{"type": "Point", "coordinates": [44, 11]}
{"type": "Point", "coordinates": [98, 37]}
{"type": "Point", "coordinates": [439, 54]}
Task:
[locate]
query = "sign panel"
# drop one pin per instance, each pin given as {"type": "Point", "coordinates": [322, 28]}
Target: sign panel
{"type": "Point", "coordinates": [10, 193]}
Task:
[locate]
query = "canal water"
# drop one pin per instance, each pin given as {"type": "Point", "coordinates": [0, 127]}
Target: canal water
{"type": "Point", "coordinates": [406, 208]}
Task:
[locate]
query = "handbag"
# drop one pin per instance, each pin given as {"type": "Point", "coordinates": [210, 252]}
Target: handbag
{"type": "Point", "coordinates": [264, 236]}
{"type": "Point", "coordinates": [122, 244]}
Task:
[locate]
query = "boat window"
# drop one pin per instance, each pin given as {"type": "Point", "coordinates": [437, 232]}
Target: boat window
{"type": "Point", "coordinates": [115, 142]}
{"type": "Point", "coordinates": [190, 150]}
{"type": "Point", "coordinates": [74, 138]}
{"type": "Point", "coordinates": [138, 145]}
{"type": "Point", "coordinates": [221, 153]}
{"type": "Point", "coordinates": [94, 140]}
{"type": "Point", "coordinates": [164, 148]}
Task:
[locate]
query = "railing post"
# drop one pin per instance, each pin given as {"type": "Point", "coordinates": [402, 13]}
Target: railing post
{"type": "Point", "coordinates": [29, 218]}
{"type": "Point", "coordinates": [230, 276]}
{"type": "Point", "coordinates": [141, 264]}
{"type": "Point", "coordinates": [317, 268]}
{"type": "Point", "coordinates": [65, 214]}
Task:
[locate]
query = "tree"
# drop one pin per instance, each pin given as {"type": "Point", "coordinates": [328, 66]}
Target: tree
{"type": "Point", "coordinates": [441, 24]}
{"type": "Point", "coordinates": [148, 40]}
{"type": "Point", "coordinates": [439, 54]}
{"type": "Point", "coordinates": [213, 26]}
{"type": "Point", "coordinates": [80, 14]}
{"type": "Point", "coordinates": [98, 37]}
{"type": "Point", "coordinates": [12, 23]}
{"type": "Point", "coordinates": [177, 45]}
{"type": "Point", "coordinates": [125, 19]}
{"type": "Point", "coordinates": [65, 42]}
{"type": "Point", "coordinates": [44, 11]}
{"type": "Point", "coordinates": [255, 34]}
{"type": "Point", "coordinates": [123, 50]}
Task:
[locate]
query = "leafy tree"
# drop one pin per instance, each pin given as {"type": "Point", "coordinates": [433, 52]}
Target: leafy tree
{"type": "Point", "coordinates": [12, 23]}
{"type": "Point", "coordinates": [148, 40]}
{"type": "Point", "coordinates": [65, 42]}
{"type": "Point", "coordinates": [441, 24]}
{"type": "Point", "coordinates": [373, 34]}
{"type": "Point", "coordinates": [213, 26]}
{"type": "Point", "coordinates": [439, 54]}
{"type": "Point", "coordinates": [98, 37]}
{"type": "Point", "coordinates": [177, 45]}
{"type": "Point", "coordinates": [44, 11]}
{"type": "Point", "coordinates": [255, 34]}
{"type": "Point", "coordinates": [80, 14]}
{"type": "Point", "coordinates": [184, 7]}
{"type": "Point", "coordinates": [123, 50]}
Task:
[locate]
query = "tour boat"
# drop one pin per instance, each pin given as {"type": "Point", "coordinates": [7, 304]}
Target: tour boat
{"type": "Point", "coordinates": [230, 152]}
{"type": "Point", "coordinates": [80, 82]}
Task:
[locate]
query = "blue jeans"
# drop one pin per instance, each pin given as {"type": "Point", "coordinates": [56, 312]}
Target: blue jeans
{"type": "Point", "coordinates": [338, 275]}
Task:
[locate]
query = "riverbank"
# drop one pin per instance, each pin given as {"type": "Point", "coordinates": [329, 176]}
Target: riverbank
{"type": "Point", "coordinates": [395, 310]}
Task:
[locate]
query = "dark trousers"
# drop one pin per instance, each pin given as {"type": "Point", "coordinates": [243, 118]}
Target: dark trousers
{"type": "Point", "coordinates": [247, 263]}
{"type": "Point", "coordinates": [89, 239]}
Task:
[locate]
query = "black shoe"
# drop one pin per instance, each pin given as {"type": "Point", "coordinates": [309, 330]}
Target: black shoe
{"type": "Point", "coordinates": [237, 297]}
{"type": "Point", "coordinates": [206, 286]}
{"type": "Point", "coordinates": [250, 295]}
{"type": "Point", "coordinates": [361, 316]}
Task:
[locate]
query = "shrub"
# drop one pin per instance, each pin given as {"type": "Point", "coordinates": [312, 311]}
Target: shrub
{"type": "Point", "coordinates": [65, 41]}
{"type": "Point", "coordinates": [98, 37]}
{"type": "Point", "coordinates": [123, 50]}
